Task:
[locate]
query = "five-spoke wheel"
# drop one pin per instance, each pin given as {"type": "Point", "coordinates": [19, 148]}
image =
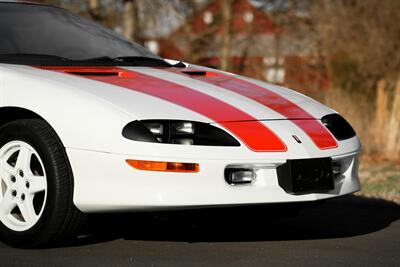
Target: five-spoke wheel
{"type": "Point", "coordinates": [23, 186]}
{"type": "Point", "coordinates": [36, 186]}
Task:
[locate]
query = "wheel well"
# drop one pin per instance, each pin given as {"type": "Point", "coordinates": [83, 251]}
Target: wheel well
{"type": "Point", "coordinates": [9, 114]}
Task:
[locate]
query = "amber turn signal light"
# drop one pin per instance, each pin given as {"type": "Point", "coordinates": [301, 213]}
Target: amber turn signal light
{"type": "Point", "coordinates": [162, 166]}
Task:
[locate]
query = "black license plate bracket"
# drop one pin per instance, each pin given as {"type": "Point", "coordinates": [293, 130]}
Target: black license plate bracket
{"type": "Point", "coordinates": [302, 176]}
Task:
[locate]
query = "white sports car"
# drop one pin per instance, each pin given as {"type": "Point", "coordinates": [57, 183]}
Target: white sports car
{"type": "Point", "coordinates": [91, 122]}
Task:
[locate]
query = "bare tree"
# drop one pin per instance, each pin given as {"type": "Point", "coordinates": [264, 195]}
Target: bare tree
{"type": "Point", "coordinates": [363, 33]}
{"type": "Point", "coordinates": [226, 23]}
{"type": "Point", "coordinates": [130, 20]}
{"type": "Point", "coordinates": [360, 42]}
{"type": "Point", "coordinates": [93, 7]}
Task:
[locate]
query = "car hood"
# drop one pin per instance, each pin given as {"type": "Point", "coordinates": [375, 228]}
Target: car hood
{"type": "Point", "coordinates": [191, 93]}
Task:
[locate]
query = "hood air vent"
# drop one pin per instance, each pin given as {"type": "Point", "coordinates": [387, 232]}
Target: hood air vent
{"type": "Point", "coordinates": [94, 73]}
{"type": "Point", "coordinates": [195, 73]}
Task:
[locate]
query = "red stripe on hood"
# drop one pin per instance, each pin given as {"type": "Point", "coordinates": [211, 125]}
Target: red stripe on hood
{"type": "Point", "coordinates": [252, 133]}
{"type": "Point", "coordinates": [322, 138]}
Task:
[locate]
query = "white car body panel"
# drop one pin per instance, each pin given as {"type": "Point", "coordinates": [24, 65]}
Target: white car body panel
{"type": "Point", "coordinates": [89, 116]}
{"type": "Point", "coordinates": [308, 104]}
{"type": "Point", "coordinates": [142, 190]}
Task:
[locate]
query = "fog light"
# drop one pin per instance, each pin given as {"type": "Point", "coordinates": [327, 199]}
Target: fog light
{"type": "Point", "coordinates": [240, 176]}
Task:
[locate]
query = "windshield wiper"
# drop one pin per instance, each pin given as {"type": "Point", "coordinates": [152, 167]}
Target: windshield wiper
{"type": "Point", "coordinates": [44, 59]}
{"type": "Point", "coordinates": [133, 61]}
{"type": "Point", "coordinates": [147, 62]}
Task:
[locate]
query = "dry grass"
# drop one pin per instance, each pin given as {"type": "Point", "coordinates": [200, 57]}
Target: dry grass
{"type": "Point", "coordinates": [380, 179]}
{"type": "Point", "coordinates": [359, 112]}
{"type": "Point", "coordinates": [375, 119]}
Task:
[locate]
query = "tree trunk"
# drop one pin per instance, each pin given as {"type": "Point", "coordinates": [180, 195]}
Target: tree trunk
{"type": "Point", "coordinates": [130, 19]}
{"type": "Point", "coordinates": [393, 133]}
{"type": "Point", "coordinates": [226, 23]}
{"type": "Point", "coordinates": [94, 9]}
{"type": "Point", "coordinates": [94, 4]}
{"type": "Point", "coordinates": [381, 118]}
{"type": "Point", "coordinates": [277, 55]}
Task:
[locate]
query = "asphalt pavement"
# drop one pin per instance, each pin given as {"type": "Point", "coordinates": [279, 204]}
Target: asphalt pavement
{"type": "Point", "coordinates": [350, 231]}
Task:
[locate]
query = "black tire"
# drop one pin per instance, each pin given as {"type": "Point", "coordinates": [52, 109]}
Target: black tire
{"type": "Point", "coordinates": [60, 219]}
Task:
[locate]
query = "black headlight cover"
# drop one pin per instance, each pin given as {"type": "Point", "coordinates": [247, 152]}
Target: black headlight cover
{"type": "Point", "coordinates": [204, 133]}
{"type": "Point", "coordinates": [338, 126]}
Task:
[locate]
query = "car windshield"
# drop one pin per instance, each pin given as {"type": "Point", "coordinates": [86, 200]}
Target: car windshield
{"type": "Point", "coordinates": [55, 33]}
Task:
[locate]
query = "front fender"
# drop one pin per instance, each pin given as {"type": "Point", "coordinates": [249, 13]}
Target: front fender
{"type": "Point", "coordinates": [82, 120]}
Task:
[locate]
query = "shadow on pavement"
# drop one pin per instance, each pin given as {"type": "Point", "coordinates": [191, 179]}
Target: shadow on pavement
{"type": "Point", "coordinates": [343, 217]}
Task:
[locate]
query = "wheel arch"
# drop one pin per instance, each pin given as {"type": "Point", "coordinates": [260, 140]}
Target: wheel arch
{"type": "Point", "coordinates": [13, 113]}
{"type": "Point", "coordinates": [9, 114]}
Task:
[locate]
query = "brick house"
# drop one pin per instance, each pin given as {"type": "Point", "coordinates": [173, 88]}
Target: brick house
{"type": "Point", "coordinates": [256, 51]}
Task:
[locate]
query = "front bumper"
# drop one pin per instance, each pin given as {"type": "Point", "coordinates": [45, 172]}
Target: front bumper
{"type": "Point", "coordinates": [104, 182]}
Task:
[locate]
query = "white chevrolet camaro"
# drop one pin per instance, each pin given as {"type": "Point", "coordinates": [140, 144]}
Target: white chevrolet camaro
{"type": "Point", "coordinates": [91, 122]}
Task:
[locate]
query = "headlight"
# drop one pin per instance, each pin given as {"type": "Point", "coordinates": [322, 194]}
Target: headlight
{"type": "Point", "coordinates": [178, 132]}
{"type": "Point", "coordinates": [182, 128]}
{"type": "Point", "coordinates": [155, 128]}
{"type": "Point", "coordinates": [338, 126]}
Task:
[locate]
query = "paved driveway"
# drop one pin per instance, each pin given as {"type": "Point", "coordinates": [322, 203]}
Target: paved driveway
{"type": "Point", "coordinates": [350, 231]}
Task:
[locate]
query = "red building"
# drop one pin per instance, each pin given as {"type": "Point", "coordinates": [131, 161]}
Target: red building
{"type": "Point", "coordinates": [258, 47]}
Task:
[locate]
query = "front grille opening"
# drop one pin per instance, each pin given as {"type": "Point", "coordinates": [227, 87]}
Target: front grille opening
{"type": "Point", "coordinates": [340, 167]}
{"type": "Point", "coordinates": [337, 170]}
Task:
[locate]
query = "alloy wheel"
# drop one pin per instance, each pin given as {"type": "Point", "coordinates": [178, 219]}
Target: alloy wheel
{"type": "Point", "coordinates": [23, 186]}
